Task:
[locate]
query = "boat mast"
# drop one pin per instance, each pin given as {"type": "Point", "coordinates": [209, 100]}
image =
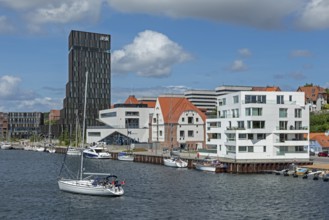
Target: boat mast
{"type": "Point", "coordinates": [83, 126]}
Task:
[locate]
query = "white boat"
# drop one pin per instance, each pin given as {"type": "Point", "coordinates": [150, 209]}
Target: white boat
{"type": "Point", "coordinates": [6, 147]}
{"type": "Point", "coordinates": [95, 183]}
{"type": "Point", "coordinates": [73, 151]}
{"type": "Point", "coordinates": [175, 162]}
{"type": "Point", "coordinates": [96, 152]}
{"type": "Point", "coordinates": [210, 165]}
{"type": "Point", "coordinates": [125, 156]}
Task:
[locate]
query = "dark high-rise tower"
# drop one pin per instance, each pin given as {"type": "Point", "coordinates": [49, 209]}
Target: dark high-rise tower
{"type": "Point", "coordinates": [87, 52]}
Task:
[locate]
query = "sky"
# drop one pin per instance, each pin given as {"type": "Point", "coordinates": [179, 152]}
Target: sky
{"type": "Point", "coordinates": [162, 46]}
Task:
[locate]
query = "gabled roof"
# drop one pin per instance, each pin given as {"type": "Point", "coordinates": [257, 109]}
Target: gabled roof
{"type": "Point", "coordinates": [173, 107]}
{"type": "Point", "coordinates": [131, 100]}
{"type": "Point", "coordinates": [312, 92]}
{"type": "Point", "coordinates": [321, 138]}
{"type": "Point", "coordinates": [267, 89]}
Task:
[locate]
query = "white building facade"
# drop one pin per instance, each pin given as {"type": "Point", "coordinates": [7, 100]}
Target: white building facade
{"type": "Point", "coordinates": [131, 122]}
{"type": "Point", "coordinates": [254, 125]}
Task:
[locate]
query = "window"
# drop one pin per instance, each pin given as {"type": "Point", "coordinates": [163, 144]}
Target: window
{"type": "Point", "coordinates": [256, 124]}
{"type": "Point", "coordinates": [283, 112]}
{"type": "Point", "coordinates": [242, 136]}
{"type": "Point", "coordinates": [255, 99]}
{"type": "Point", "coordinates": [109, 114]}
{"type": "Point", "coordinates": [235, 99]}
{"type": "Point", "coordinates": [190, 134]}
{"type": "Point", "coordinates": [94, 134]}
{"type": "Point", "coordinates": [298, 125]}
{"type": "Point", "coordinates": [254, 111]}
{"type": "Point", "coordinates": [279, 99]}
{"type": "Point", "coordinates": [298, 113]}
{"type": "Point", "coordinates": [261, 136]}
{"type": "Point", "coordinates": [235, 113]}
{"type": "Point", "coordinates": [241, 124]}
{"type": "Point", "coordinates": [132, 113]}
{"type": "Point", "coordinates": [283, 125]}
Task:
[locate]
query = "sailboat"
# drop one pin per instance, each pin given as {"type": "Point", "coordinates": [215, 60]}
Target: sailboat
{"type": "Point", "coordinates": [74, 151]}
{"type": "Point", "coordinates": [98, 184]}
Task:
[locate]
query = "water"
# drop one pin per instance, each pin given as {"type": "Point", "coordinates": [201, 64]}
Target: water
{"type": "Point", "coordinates": [29, 190]}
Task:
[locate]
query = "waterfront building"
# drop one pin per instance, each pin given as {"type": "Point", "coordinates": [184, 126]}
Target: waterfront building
{"type": "Point", "coordinates": [205, 100]}
{"type": "Point", "coordinates": [88, 52]}
{"type": "Point", "coordinates": [260, 125]}
{"type": "Point", "coordinates": [319, 142]}
{"type": "Point", "coordinates": [123, 124]}
{"type": "Point", "coordinates": [25, 124]}
{"type": "Point", "coordinates": [177, 123]}
{"type": "Point", "coordinates": [315, 96]}
{"type": "Point", "coordinates": [226, 89]}
{"type": "Point", "coordinates": [3, 126]}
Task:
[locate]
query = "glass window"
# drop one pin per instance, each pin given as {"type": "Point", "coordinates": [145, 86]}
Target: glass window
{"type": "Point", "coordinates": [279, 99]}
{"type": "Point", "coordinates": [283, 113]}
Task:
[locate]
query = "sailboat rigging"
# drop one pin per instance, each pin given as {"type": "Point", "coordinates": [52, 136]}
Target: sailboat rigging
{"type": "Point", "coordinates": [99, 184]}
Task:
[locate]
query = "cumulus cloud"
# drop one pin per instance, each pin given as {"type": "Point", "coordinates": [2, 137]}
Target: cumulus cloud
{"type": "Point", "coordinates": [315, 15]}
{"type": "Point", "coordinates": [238, 66]}
{"type": "Point", "coordinates": [8, 86]}
{"type": "Point", "coordinates": [245, 52]}
{"type": "Point", "coordinates": [65, 11]}
{"type": "Point", "coordinates": [5, 25]}
{"type": "Point", "coordinates": [300, 53]}
{"type": "Point", "coordinates": [259, 13]}
{"type": "Point", "coordinates": [151, 54]}
{"type": "Point", "coordinates": [13, 98]}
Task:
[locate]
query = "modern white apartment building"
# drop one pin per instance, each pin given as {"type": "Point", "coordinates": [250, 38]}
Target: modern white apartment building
{"type": "Point", "coordinates": [260, 125]}
{"type": "Point", "coordinates": [124, 124]}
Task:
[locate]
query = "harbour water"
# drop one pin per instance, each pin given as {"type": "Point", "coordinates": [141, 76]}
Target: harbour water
{"type": "Point", "coordinates": [29, 190]}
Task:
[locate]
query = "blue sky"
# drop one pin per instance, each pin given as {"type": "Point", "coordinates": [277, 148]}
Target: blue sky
{"type": "Point", "coordinates": [163, 46]}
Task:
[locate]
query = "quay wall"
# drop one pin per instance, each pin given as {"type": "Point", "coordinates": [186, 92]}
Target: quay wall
{"type": "Point", "coordinates": [232, 166]}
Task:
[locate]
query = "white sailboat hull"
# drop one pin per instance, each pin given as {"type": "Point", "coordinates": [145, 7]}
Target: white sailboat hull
{"type": "Point", "coordinates": [73, 152]}
{"type": "Point", "coordinates": [174, 163]}
{"type": "Point", "coordinates": [203, 167]}
{"type": "Point", "coordinates": [126, 158]}
{"type": "Point", "coordinates": [86, 187]}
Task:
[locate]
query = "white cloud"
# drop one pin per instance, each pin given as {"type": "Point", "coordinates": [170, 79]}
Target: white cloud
{"type": "Point", "coordinates": [238, 66]}
{"type": "Point", "coordinates": [259, 13]}
{"type": "Point", "coordinates": [8, 86]}
{"type": "Point", "coordinates": [315, 15]}
{"type": "Point", "coordinates": [151, 54]}
{"type": "Point", "coordinates": [245, 52]}
{"type": "Point", "coordinates": [5, 25]}
{"type": "Point", "coordinates": [65, 12]}
{"type": "Point", "coordinates": [301, 53]}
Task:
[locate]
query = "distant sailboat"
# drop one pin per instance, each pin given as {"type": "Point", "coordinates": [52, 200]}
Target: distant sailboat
{"type": "Point", "coordinates": [99, 184]}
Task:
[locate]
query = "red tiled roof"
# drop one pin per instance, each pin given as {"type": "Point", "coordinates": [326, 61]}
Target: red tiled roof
{"type": "Point", "coordinates": [131, 100]}
{"type": "Point", "coordinates": [173, 107]}
{"type": "Point", "coordinates": [267, 89]}
{"type": "Point", "coordinates": [312, 92]}
{"type": "Point", "coordinates": [321, 138]}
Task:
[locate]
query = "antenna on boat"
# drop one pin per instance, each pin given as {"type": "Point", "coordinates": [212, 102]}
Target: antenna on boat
{"type": "Point", "coordinates": [84, 125]}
